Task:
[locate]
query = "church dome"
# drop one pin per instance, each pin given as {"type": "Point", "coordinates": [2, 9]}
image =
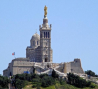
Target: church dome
{"type": "Point", "coordinates": [35, 41]}
{"type": "Point", "coordinates": [35, 36]}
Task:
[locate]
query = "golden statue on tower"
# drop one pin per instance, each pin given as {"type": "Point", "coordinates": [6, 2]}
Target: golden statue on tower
{"type": "Point", "coordinates": [45, 11]}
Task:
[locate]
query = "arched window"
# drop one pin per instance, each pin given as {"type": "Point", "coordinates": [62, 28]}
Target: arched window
{"type": "Point", "coordinates": [44, 34]}
{"type": "Point", "coordinates": [48, 35]}
{"type": "Point", "coordinates": [10, 74]}
{"type": "Point", "coordinates": [41, 35]}
{"type": "Point", "coordinates": [37, 42]}
{"type": "Point", "coordinates": [46, 60]}
{"type": "Point", "coordinates": [33, 43]}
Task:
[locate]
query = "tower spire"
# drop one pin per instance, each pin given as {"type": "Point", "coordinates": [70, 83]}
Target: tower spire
{"type": "Point", "coordinates": [45, 39]}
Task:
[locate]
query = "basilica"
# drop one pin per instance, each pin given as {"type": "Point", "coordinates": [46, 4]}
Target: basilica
{"type": "Point", "coordinates": [39, 56]}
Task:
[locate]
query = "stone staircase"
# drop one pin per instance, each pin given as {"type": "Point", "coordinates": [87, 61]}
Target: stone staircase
{"type": "Point", "coordinates": [60, 73]}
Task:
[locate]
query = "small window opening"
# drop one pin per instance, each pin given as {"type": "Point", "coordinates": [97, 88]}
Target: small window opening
{"type": "Point", "coordinates": [46, 34]}
{"type": "Point", "coordinates": [37, 42]}
{"type": "Point", "coordinates": [41, 35]}
{"type": "Point", "coordinates": [34, 43]}
{"type": "Point", "coordinates": [46, 60]}
{"type": "Point", "coordinates": [48, 66]}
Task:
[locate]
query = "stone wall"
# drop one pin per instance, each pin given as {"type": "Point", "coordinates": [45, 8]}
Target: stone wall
{"type": "Point", "coordinates": [76, 66]}
{"type": "Point", "coordinates": [73, 67]}
{"type": "Point", "coordinates": [19, 65]}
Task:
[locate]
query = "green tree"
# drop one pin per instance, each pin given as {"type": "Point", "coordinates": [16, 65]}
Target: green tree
{"type": "Point", "coordinates": [89, 72]}
{"type": "Point", "coordinates": [19, 83]}
{"type": "Point", "coordinates": [42, 75]}
{"type": "Point", "coordinates": [4, 81]}
{"type": "Point", "coordinates": [78, 81]}
{"type": "Point", "coordinates": [54, 74]}
{"type": "Point", "coordinates": [47, 81]}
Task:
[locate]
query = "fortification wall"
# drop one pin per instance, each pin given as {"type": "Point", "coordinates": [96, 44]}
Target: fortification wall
{"type": "Point", "coordinates": [5, 72]}
{"type": "Point", "coordinates": [20, 65]}
{"type": "Point", "coordinates": [23, 63]}
{"type": "Point", "coordinates": [76, 66]}
{"type": "Point", "coordinates": [73, 67]}
{"type": "Point", "coordinates": [67, 67]}
{"type": "Point", "coordinates": [21, 69]}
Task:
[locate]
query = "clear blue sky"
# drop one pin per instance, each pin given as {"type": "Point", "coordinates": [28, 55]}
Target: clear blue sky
{"type": "Point", "coordinates": [74, 29]}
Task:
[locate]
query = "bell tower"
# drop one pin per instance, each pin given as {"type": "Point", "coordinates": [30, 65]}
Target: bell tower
{"type": "Point", "coordinates": [45, 39]}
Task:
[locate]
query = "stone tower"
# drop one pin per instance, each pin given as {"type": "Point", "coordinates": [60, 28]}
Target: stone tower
{"type": "Point", "coordinates": [45, 40]}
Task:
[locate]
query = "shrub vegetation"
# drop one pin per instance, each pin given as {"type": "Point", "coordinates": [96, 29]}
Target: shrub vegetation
{"type": "Point", "coordinates": [43, 80]}
{"type": "Point", "coordinates": [78, 81]}
{"type": "Point", "coordinates": [4, 81]}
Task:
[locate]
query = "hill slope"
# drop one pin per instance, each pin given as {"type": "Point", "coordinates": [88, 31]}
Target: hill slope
{"type": "Point", "coordinates": [59, 86]}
